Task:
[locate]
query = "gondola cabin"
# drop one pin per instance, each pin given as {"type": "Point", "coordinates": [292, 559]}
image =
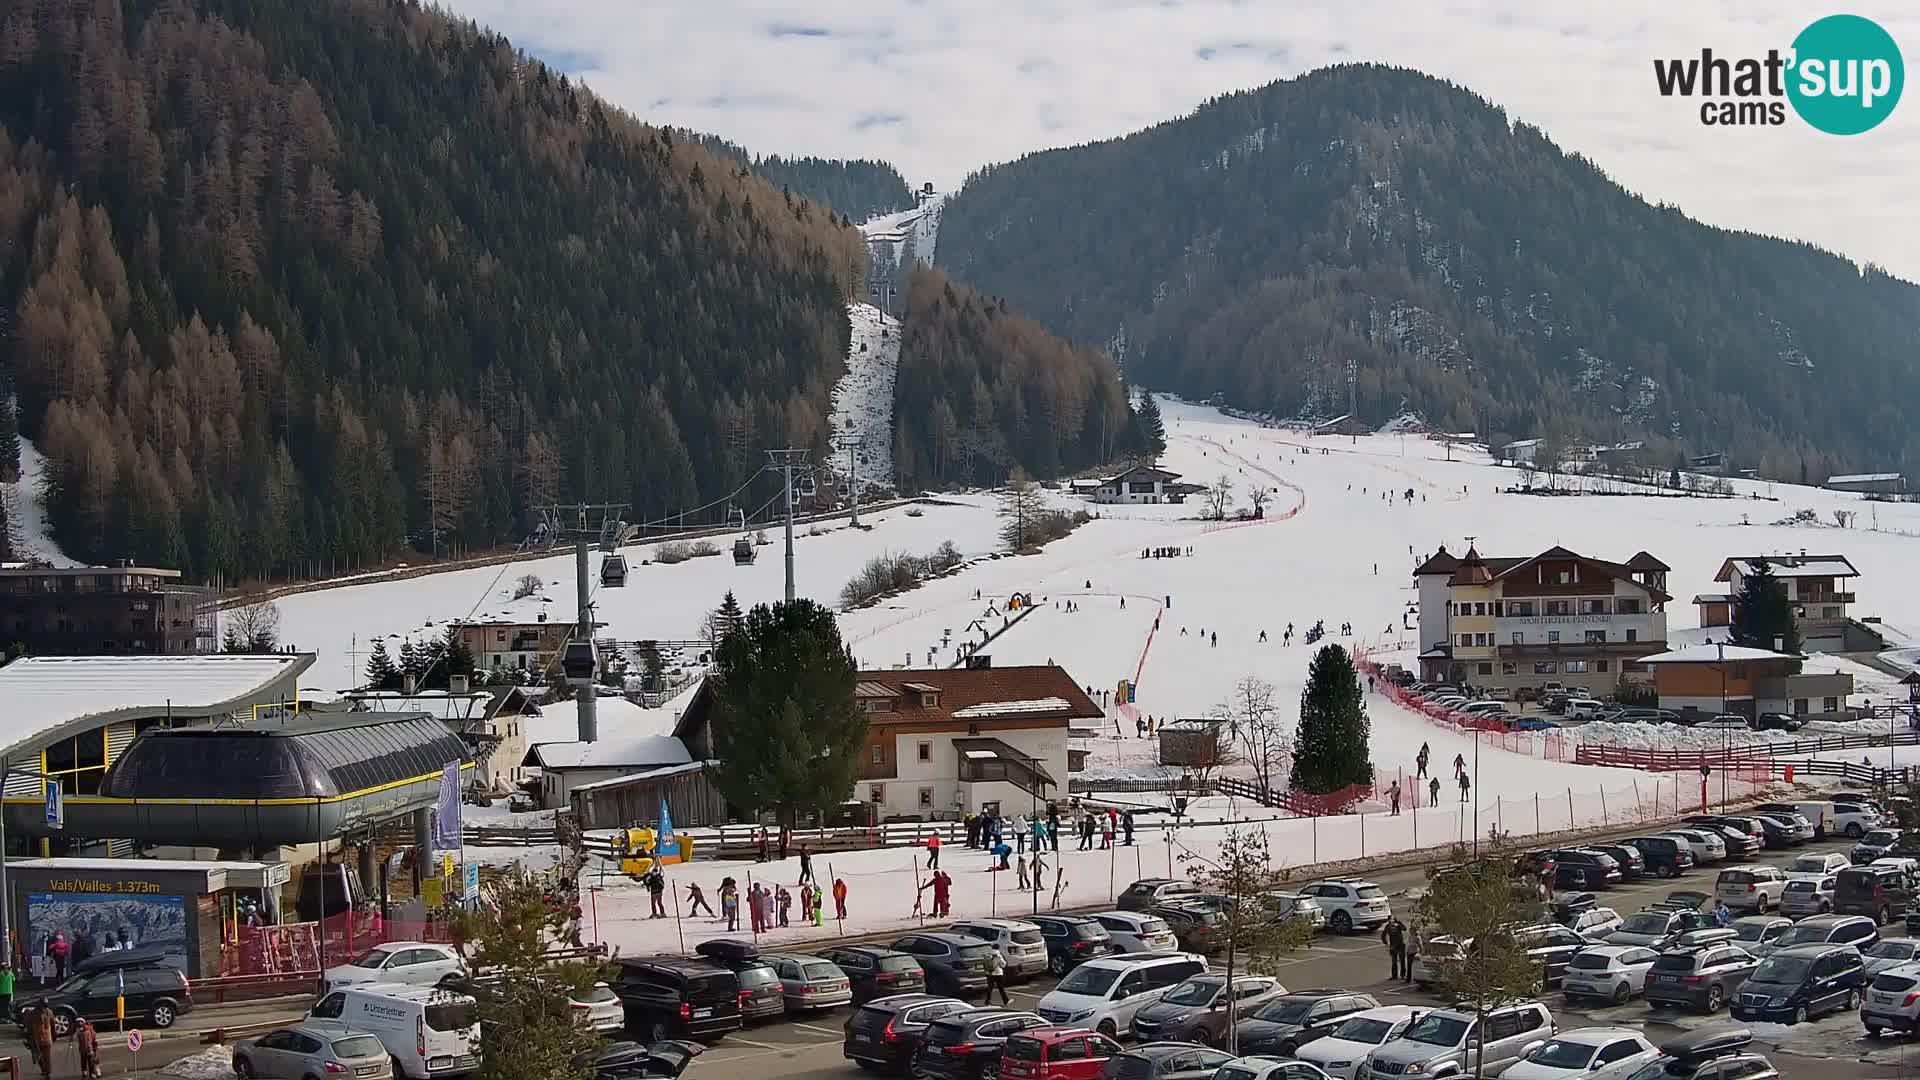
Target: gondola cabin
{"type": "Point", "coordinates": [613, 571]}
{"type": "Point", "coordinates": [743, 552]}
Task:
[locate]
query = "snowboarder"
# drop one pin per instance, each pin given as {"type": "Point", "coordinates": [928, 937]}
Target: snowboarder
{"type": "Point", "coordinates": [697, 900]}
{"type": "Point", "coordinates": [839, 898]}
{"type": "Point", "coordinates": [1433, 792]}
{"type": "Point", "coordinates": [1001, 851]}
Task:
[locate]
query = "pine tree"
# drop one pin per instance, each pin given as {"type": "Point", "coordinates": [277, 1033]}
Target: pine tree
{"type": "Point", "coordinates": [1022, 507]}
{"type": "Point", "coordinates": [784, 723]}
{"type": "Point", "coordinates": [526, 1031]}
{"type": "Point", "coordinates": [454, 659]}
{"type": "Point", "coordinates": [1762, 615]}
{"type": "Point", "coordinates": [1330, 746]}
{"type": "Point", "coordinates": [1152, 427]}
{"type": "Point", "coordinates": [413, 660]}
{"type": "Point", "coordinates": [381, 672]}
{"type": "Point", "coordinates": [1474, 904]}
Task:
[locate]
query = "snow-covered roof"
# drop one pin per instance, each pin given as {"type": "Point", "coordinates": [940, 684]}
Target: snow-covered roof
{"type": "Point", "coordinates": [644, 774]}
{"type": "Point", "coordinates": [1713, 654]}
{"type": "Point", "coordinates": [1864, 478]}
{"type": "Point", "coordinates": [1522, 444]}
{"type": "Point", "coordinates": [1004, 708]}
{"type": "Point", "coordinates": [613, 716]}
{"type": "Point", "coordinates": [44, 693]}
{"type": "Point", "coordinates": [1713, 598]}
{"type": "Point", "coordinates": [611, 751]}
{"type": "Point", "coordinates": [1787, 566]}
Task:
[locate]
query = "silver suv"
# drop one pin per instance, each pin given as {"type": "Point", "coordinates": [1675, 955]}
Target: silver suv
{"type": "Point", "coordinates": [1442, 1042]}
{"type": "Point", "coordinates": [1350, 904]}
{"type": "Point", "coordinates": [1892, 1000]}
{"type": "Point", "coordinates": [1805, 896]}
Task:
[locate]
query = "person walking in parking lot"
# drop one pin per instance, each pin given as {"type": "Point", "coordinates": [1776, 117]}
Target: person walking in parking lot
{"type": "Point", "coordinates": [996, 979]}
{"type": "Point", "coordinates": [1394, 936]}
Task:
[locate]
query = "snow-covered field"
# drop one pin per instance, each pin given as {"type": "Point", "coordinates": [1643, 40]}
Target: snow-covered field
{"type": "Point", "coordinates": [863, 398]}
{"type": "Point", "coordinates": [25, 514]}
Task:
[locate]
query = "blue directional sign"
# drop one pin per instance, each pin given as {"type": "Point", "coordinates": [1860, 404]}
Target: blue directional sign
{"type": "Point", "coordinates": [56, 806]}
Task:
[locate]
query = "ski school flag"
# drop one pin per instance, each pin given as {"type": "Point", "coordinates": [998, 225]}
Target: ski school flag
{"type": "Point", "coordinates": [446, 813]}
{"type": "Point", "coordinates": [665, 843]}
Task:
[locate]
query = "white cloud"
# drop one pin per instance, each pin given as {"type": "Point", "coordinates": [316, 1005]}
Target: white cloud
{"type": "Point", "coordinates": [941, 87]}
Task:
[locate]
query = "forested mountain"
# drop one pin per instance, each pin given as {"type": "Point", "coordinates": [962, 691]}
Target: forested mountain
{"type": "Point", "coordinates": [982, 389]}
{"type": "Point", "coordinates": [856, 189]}
{"type": "Point", "coordinates": [1462, 263]}
{"type": "Point", "coordinates": [287, 286]}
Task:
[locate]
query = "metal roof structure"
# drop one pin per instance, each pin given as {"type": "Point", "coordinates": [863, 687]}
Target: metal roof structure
{"type": "Point", "coordinates": [1713, 654]}
{"type": "Point", "coordinates": [48, 694]}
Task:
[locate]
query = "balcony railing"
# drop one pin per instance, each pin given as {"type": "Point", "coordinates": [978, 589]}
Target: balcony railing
{"type": "Point", "coordinates": [1825, 598]}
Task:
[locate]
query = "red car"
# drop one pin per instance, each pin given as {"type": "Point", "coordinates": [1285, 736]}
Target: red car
{"type": "Point", "coordinates": [1056, 1053]}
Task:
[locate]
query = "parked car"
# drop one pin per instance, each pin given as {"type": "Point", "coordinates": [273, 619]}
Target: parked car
{"type": "Point", "coordinates": [762, 996]}
{"type": "Point", "coordinates": [428, 1031]}
{"type": "Point", "coordinates": [1151, 892]}
{"type": "Point", "coordinates": [670, 997]}
{"type": "Point", "coordinates": [886, 1032]}
{"type": "Point", "coordinates": [1342, 1052]}
{"type": "Point", "coordinates": [1268, 1068]}
{"type": "Point", "coordinates": [1725, 720]}
{"type": "Point", "coordinates": [1806, 981]}
{"type": "Point", "coordinates": [1105, 994]}
{"type": "Point", "coordinates": [810, 982]}
{"type": "Point", "coordinates": [1195, 927]}
{"type": "Point", "coordinates": [1549, 945]}
{"type": "Point", "coordinates": [1584, 708]}
{"type": "Point", "coordinates": [1783, 831]}
{"type": "Point", "coordinates": [875, 971]}
{"type": "Point", "coordinates": [1889, 953]}
{"type": "Point", "coordinates": [1654, 927]}
{"type": "Point", "coordinates": [1633, 863]}
{"type": "Point", "coordinates": [154, 991]}
{"type": "Point", "coordinates": [1056, 1053]}
{"type": "Point", "coordinates": [1582, 1051]}
{"type": "Point", "coordinates": [1706, 847]}
{"type": "Point", "coordinates": [1135, 931]}
{"type": "Point", "coordinates": [1753, 887]}
{"type": "Point", "coordinates": [1072, 940]}
{"type": "Point", "coordinates": [1805, 896]}
{"type": "Point", "coordinates": [1608, 972]}
{"type": "Point", "coordinates": [1874, 845]}
{"type": "Point", "coordinates": [1686, 900]}
{"type": "Point", "coordinates": [636, 1061]}
{"type": "Point", "coordinates": [1892, 1000]}
{"type": "Point", "coordinates": [1703, 978]}
{"type": "Point", "coordinates": [409, 963]}
{"type": "Point", "coordinates": [1880, 892]}
{"type": "Point", "coordinates": [598, 1007]}
{"type": "Point", "coordinates": [1853, 820]}
{"type": "Point", "coordinates": [1854, 930]}
{"type": "Point", "coordinates": [1019, 943]}
{"type": "Point", "coordinates": [1437, 1045]}
{"type": "Point", "coordinates": [1818, 864]}
{"type": "Point", "coordinates": [1595, 924]}
{"type": "Point", "coordinates": [1350, 903]}
{"type": "Point", "coordinates": [954, 965]}
{"type": "Point", "coordinates": [1737, 838]}
{"type": "Point", "coordinates": [1754, 931]}
{"type": "Point", "coordinates": [966, 1045]}
{"type": "Point", "coordinates": [1666, 856]}
{"type": "Point", "coordinates": [1165, 1061]}
{"type": "Point", "coordinates": [1584, 868]}
{"type": "Point", "coordinates": [1285, 1024]}
{"type": "Point", "coordinates": [1285, 906]}
{"type": "Point", "coordinates": [1714, 1053]}
{"type": "Point", "coordinates": [312, 1050]}
{"type": "Point", "coordinates": [1197, 1010]}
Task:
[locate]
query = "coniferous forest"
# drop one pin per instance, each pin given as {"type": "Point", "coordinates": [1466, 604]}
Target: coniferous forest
{"type": "Point", "coordinates": [857, 189]}
{"type": "Point", "coordinates": [1463, 265]}
{"type": "Point", "coordinates": [288, 288]}
{"type": "Point", "coordinates": [982, 389]}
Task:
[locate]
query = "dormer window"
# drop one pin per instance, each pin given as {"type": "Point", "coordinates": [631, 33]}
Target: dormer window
{"type": "Point", "coordinates": [929, 701]}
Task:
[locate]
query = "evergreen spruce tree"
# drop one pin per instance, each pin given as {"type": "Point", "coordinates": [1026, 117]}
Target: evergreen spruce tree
{"type": "Point", "coordinates": [1330, 747]}
{"type": "Point", "coordinates": [414, 660]}
{"type": "Point", "coordinates": [454, 659]}
{"type": "Point", "coordinates": [1762, 612]}
{"type": "Point", "coordinates": [784, 723]}
{"type": "Point", "coordinates": [382, 674]}
{"type": "Point", "coordinates": [1152, 427]}
{"type": "Point", "coordinates": [728, 619]}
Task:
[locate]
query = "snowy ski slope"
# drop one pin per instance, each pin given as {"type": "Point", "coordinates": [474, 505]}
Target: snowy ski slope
{"type": "Point", "coordinates": [25, 513]}
{"type": "Point", "coordinates": [863, 398]}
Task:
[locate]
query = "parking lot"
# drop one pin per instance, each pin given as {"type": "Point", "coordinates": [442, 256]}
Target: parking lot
{"type": "Point", "coordinates": [1834, 1046]}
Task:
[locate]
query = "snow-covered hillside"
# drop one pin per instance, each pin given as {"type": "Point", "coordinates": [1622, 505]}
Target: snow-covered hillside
{"type": "Point", "coordinates": [863, 399]}
{"type": "Point", "coordinates": [25, 514]}
{"type": "Point", "coordinates": [907, 233]}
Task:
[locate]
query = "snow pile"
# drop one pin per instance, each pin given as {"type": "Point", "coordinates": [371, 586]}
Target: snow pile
{"type": "Point", "coordinates": [917, 230]}
{"type": "Point", "coordinates": [213, 1063]}
{"type": "Point", "coordinates": [25, 513]}
{"type": "Point", "coordinates": [863, 398]}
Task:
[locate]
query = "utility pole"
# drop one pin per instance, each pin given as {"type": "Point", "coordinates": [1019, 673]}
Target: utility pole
{"type": "Point", "coordinates": [789, 462]}
{"type": "Point", "coordinates": [586, 699]}
{"type": "Point", "coordinates": [1353, 375]}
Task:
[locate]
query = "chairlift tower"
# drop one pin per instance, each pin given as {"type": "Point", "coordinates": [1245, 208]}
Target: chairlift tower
{"type": "Point", "coordinates": [793, 467]}
{"type": "Point", "coordinates": [852, 443]}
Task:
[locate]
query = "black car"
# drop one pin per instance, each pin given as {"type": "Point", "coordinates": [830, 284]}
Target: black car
{"type": "Point", "coordinates": [1287, 1023]}
{"type": "Point", "coordinates": [1072, 940]}
{"type": "Point", "coordinates": [876, 971]}
{"type": "Point", "coordinates": [1800, 982]}
{"type": "Point", "coordinates": [1551, 947]}
{"type": "Point", "coordinates": [1703, 978]}
{"type": "Point", "coordinates": [154, 991]}
{"type": "Point", "coordinates": [955, 964]}
{"type": "Point", "coordinates": [1195, 926]}
{"type": "Point", "coordinates": [761, 995]}
{"type": "Point", "coordinates": [1738, 838]}
{"type": "Point", "coordinates": [886, 1032]}
{"type": "Point", "coordinates": [1778, 721]}
{"type": "Point", "coordinates": [1633, 864]}
{"type": "Point", "coordinates": [677, 996]}
{"type": "Point", "coordinates": [967, 1045]}
{"type": "Point", "coordinates": [1778, 833]}
{"type": "Point", "coordinates": [1877, 844]}
{"type": "Point", "coordinates": [1165, 1061]}
{"type": "Point", "coordinates": [1583, 868]}
{"type": "Point", "coordinates": [634, 1061]}
{"type": "Point", "coordinates": [1666, 857]}
{"type": "Point", "coordinates": [1858, 931]}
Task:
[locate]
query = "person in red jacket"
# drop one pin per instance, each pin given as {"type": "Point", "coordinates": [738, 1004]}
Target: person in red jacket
{"type": "Point", "coordinates": [933, 851]}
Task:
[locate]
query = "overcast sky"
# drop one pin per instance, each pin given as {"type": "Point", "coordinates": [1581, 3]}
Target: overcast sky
{"type": "Point", "coordinates": [940, 87]}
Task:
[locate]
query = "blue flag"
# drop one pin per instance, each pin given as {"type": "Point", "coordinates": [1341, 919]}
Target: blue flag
{"type": "Point", "coordinates": [665, 843]}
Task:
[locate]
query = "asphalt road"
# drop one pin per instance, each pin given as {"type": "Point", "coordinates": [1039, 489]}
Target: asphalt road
{"type": "Point", "coordinates": [1833, 1048]}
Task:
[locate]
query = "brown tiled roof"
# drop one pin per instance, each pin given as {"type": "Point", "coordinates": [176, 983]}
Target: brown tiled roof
{"type": "Point", "coordinates": [963, 688]}
{"type": "Point", "coordinates": [1472, 570]}
{"type": "Point", "coordinates": [1438, 563]}
{"type": "Point", "coordinates": [869, 689]}
{"type": "Point", "coordinates": [1475, 570]}
{"type": "Point", "coordinates": [1643, 561]}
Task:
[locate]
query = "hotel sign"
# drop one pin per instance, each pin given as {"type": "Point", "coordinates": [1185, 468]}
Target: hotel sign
{"type": "Point", "coordinates": [1557, 620]}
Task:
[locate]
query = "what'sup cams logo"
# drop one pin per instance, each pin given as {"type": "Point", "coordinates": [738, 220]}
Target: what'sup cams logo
{"type": "Point", "coordinates": [1843, 76]}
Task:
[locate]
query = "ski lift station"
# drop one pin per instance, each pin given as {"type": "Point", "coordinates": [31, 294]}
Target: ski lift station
{"type": "Point", "coordinates": [130, 738]}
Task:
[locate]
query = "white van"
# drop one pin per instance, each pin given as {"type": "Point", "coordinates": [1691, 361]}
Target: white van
{"type": "Point", "coordinates": [430, 1032]}
{"type": "Point", "coordinates": [1104, 994]}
